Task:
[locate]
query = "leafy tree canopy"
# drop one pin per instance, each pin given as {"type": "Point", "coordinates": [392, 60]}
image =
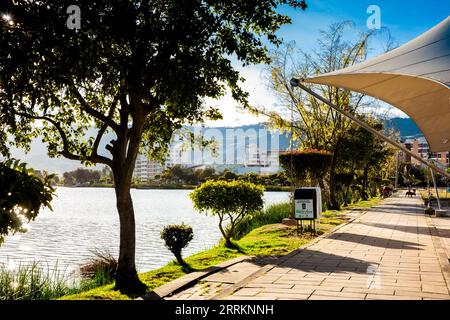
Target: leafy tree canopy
{"type": "Point", "coordinates": [22, 195]}
{"type": "Point", "coordinates": [157, 59]}
{"type": "Point", "coordinates": [229, 200]}
{"type": "Point", "coordinates": [305, 164]}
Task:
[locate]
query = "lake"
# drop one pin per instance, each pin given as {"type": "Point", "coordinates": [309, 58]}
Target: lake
{"type": "Point", "coordinates": [85, 219]}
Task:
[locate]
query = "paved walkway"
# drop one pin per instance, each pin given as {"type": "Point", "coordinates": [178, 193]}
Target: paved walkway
{"type": "Point", "coordinates": [391, 252]}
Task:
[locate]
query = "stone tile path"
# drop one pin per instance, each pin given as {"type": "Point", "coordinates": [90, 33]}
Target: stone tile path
{"type": "Point", "coordinates": [391, 252]}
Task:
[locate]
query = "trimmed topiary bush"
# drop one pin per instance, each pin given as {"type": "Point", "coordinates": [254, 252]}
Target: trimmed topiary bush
{"type": "Point", "coordinates": [301, 165]}
{"type": "Point", "coordinates": [176, 238]}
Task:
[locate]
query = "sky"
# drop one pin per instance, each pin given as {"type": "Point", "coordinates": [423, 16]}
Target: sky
{"type": "Point", "coordinates": [405, 20]}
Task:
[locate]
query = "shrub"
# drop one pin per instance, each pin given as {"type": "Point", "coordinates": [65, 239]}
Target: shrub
{"type": "Point", "coordinates": [231, 201]}
{"type": "Point", "coordinates": [305, 164]}
{"type": "Point", "coordinates": [101, 269]}
{"type": "Point", "coordinates": [177, 237]}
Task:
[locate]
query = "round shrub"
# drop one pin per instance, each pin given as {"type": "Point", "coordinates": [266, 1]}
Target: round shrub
{"type": "Point", "coordinates": [231, 201]}
{"type": "Point", "coordinates": [177, 237]}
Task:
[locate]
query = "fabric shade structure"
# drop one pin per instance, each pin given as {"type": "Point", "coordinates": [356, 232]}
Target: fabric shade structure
{"type": "Point", "coordinates": [415, 78]}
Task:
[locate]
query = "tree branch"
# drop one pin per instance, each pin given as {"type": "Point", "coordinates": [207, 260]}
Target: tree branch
{"type": "Point", "coordinates": [104, 127]}
{"type": "Point", "coordinates": [66, 152]}
{"type": "Point", "coordinates": [93, 112]}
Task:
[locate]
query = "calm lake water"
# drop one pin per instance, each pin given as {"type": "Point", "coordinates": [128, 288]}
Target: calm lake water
{"type": "Point", "coordinates": [85, 219]}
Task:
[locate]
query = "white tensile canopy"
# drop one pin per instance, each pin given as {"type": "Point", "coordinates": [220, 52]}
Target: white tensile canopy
{"type": "Point", "coordinates": [415, 78]}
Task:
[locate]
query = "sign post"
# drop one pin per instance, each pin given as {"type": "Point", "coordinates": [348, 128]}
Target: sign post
{"type": "Point", "coordinates": [307, 206]}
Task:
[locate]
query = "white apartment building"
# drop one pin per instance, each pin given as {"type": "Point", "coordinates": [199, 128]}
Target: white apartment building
{"type": "Point", "coordinates": [255, 157]}
{"type": "Point", "coordinates": [146, 169]}
{"type": "Point", "coordinates": [260, 161]}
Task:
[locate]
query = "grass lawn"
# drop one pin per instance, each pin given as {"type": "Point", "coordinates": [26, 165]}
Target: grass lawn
{"type": "Point", "coordinates": [273, 239]}
{"type": "Point", "coordinates": [442, 194]}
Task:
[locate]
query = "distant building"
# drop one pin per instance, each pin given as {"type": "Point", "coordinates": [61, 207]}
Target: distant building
{"type": "Point", "coordinates": [419, 147]}
{"type": "Point", "coordinates": [260, 161]}
{"type": "Point", "coordinates": [146, 169]}
{"type": "Point", "coordinates": [255, 157]}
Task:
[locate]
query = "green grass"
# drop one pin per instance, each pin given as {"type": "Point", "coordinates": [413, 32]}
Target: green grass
{"type": "Point", "coordinates": [273, 214]}
{"type": "Point", "coordinates": [33, 282]}
{"type": "Point", "coordinates": [277, 212]}
{"type": "Point", "coordinates": [442, 194]}
{"type": "Point", "coordinates": [158, 277]}
{"type": "Point", "coordinates": [270, 239]}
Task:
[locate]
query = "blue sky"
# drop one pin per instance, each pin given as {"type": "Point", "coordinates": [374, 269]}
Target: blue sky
{"type": "Point", "coordinates": [404, 19]}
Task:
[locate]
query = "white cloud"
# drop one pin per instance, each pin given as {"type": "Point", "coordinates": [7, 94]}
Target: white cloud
{"type": "Point", "coordinates": [260, 95]}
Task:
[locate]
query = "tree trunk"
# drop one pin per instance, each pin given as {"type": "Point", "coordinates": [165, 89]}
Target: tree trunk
{"type": "Point", "coordinates": [333, 203]}
{"type": "Point", "coordinates": [365, 178]}
{"type": "Point", "coordinates": [180, 259]}
{"type": "Point", "coordinates": [323, 190]}
{"type": "Point", "coordinates": [127, 279]}
{"type": "Point", "coordinates": [225, 235]}
{"type": "Point", "coordinates": [125, 154]}
{"type": "Point", "coordinates": [345, 192]}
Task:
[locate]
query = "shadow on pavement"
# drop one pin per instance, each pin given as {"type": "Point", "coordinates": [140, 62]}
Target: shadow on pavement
{"type": "Point", "coordinates": [316, 261]}
{"type": "Point", "coordinates": [375, 241]}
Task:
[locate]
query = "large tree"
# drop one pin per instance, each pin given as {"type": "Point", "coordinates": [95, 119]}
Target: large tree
{"type": "Point", "coordinates": [139, 69]}
{"type": "Point", "coordinates": [314, 125]}
{"type": "Point", "coordinates": [364, 154]}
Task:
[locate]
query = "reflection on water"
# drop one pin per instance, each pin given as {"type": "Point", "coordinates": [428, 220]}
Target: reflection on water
{"type": "Point", "coordinates": [86, 218]}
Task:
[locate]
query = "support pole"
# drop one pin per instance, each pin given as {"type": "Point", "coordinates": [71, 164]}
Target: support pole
{"type": "Point", "coordinates": [436, 188]}
{"type": "Point", "coordinates": [297, 83]}
{"type": "Point", "coordinates": [396, 170]}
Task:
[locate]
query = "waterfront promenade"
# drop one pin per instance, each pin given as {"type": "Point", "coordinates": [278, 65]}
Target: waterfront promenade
{"type": "Point", "coordinates": [392, 251]}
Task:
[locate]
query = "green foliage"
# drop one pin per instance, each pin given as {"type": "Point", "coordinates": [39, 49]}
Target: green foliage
{"type": "Point", "coordinates": [100, 270]}
{"type": "Point", "coordinates": [82, 176]}
{"type": "Point", "coordinates": [106, 175]}
{"type": "Point", "coordinates": [231, 201]}
{"type": "Point", "coordinates": [22, 195]}
{"type": "Point", "coordinates": [344, 179]}
{"type": "Point", "coordinates": [308, 164]}
{"type": "Point", "coordinates": [179, 174]}
{"type": "Point", "coordinates": [273, 214]}
{"type": "Point", "coordinates": [165, 56]}
{"type": "Point", "coordinates": [366, 154]}
{"type": "Point", "coordinates": [176, 238]}
{"type": "Point", "coordinates": [32, 282]}
{"type": "Point", "coordinates": [275, 179]}
{"type": "Point", "coordinates": [411, 175]}
{"type": "Point", "coordinates": [228, 175]}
